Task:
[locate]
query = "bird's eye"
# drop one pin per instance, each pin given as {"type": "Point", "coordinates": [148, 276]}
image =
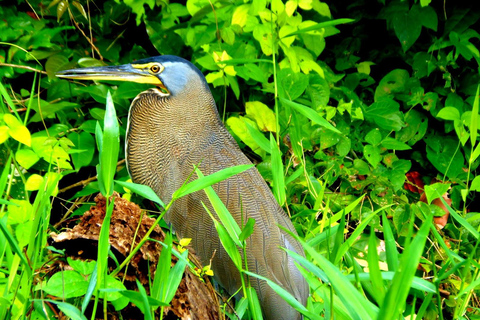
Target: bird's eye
{"type": "Point", "coordinates": [155, 68]}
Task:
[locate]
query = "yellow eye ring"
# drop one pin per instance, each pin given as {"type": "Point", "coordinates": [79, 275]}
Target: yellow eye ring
{"type": "Point", "coordinates": [155, 68]}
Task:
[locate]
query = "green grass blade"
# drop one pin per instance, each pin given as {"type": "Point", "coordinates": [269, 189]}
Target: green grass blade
{"type": "Point", "coordinates": [398, 291]}
{"type": "Point", "coordinates": [205, 181]}
{"type": "Point", "coordinates": [355, 234]}
{"type": "Point", "coordinates": [474, 119]}
{"type": "Point", "coordinates": [159, 289]}
{"type": "Point", "coordinates": [390, 244]}
{"type": "Point", "coordinates": [258, 137]}
{"type": "Point", "coordinates": [290, 299]}
{"type": "Point", "coordinates": [143, 190]}
{"type": "Point", "coordinates": [359, 307]}
{"type": "Point", "coordinates": [175, 277]}
{"type": "Point", "coordinates": [277, 172]}
{"type": "Point", "coordinates": [228, 242]}
{"type": "Point", "coordinates": [321, 25]}
{"type": "Point", "coordinates": [310, 114]}
{"type": "Point", "coordinates": [225, 217]}
{"type": "Point", "coordinates": [254, 304]}
{"type": "Point", "coordinates": [374, 268]}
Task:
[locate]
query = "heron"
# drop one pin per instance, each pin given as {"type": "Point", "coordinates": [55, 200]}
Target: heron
{"type": "Point", "coordinates": [174, 126]}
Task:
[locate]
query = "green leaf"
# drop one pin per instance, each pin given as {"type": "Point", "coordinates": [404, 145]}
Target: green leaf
{"type": "Point", "coordinates": [393, 82]}
{"type": "Point", "coordinates": [374, 137]}
{"type": "Point", "coordinates": [449, 113]}
{"type": "Point", "coordinates": [85, 143]}
{"type": "Point", "coordinates": [17, 130]}
{"type": "Point", "coordinates": [436, 190]}
{"type": "Point", "coordinates": [239, 127]}
{"type": "Point", "coordinates": [393, 144]}
{"type": "Point", "coordinates": [262, 114]}
{"type": "Point", "coordinates": [26, 158]}
{"type": "Point", "coordinates": [292, 83]}
{"type": "Point", "coordinates": [385, 114]}
{"type": "Point", "coordinates": [372, 154]}
{"type": "Point", "coordinates": [34, 182]}
{"type": "Point", "coordinates": [66, 284]}
{"type": "Point", "coordinates": [407, 28]}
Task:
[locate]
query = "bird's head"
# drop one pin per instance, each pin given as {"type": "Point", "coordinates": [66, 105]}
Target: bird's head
{"type": "Point", "coordinates": [170, 74]}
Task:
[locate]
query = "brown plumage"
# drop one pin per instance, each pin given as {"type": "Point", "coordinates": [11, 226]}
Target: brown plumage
{"type": "Point", "coordinates": [169, 133]}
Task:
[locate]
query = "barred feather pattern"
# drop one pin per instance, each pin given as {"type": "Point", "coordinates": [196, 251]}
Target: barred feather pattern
{"type": "Point", "coordinates": [166, 137]}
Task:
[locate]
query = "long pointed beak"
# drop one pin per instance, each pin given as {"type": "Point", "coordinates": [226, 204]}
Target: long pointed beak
{"type": "Point", "coordinates": [125, 72]}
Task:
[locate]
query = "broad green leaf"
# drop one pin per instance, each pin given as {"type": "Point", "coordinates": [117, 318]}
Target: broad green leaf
{"type": "Point", "coordinates": [263, 34]}
{"type": "Point", "coordinates": [372, 154]}
{"type": "Point", "coordinates": [262, 114]}
{"type": "Point", "coordinates": [407, 27]}
{"type": "Point", "coordinates": [283, 32]}
{"type": "Point", "coordinates": [436, 190]}
{"type": "Point", "coordinates": [240, 15]}
{"type": "Point", "coordinates": [34, 182]}
{"type": "Point", "coordinates": [66, 284]}
{"type": "Point", "coordinates": [393, 82]}
{"type": "Point", "coordinates": [239, 127]}
{"type": "Point", "coordinates": [475, 185]}
{"type": "Point", "coordinates": [364, 67]}
{"type": "Point", "coordinates": [442, 153]}
{"type": "Point", "coordinates": [449, 113]}
{"type": "Point", "coordinates": [26, 158]}
{"type": "Point", "coordinates": [85, 143]}
{"type": "Point", "coordinates": [385, 114]}
{"type": "Point", "coordinates": [374, 137]}
{"type": "Point", "coordinates": [3, 134]}
{"type": "Point", "coordinates": [292, 83]}
{"type": "Point", "coordinates": [17, 130]}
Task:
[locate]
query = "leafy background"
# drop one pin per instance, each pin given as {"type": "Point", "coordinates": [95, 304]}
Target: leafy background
{"type": "Point", "coordinates": [362, 115]}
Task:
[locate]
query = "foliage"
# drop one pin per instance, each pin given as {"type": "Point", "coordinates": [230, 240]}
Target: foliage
{"type": "Point", "coordinates": [363, 117]}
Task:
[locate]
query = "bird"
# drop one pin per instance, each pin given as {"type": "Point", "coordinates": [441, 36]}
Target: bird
{"type": "Point", "coordinates": [174, 126]}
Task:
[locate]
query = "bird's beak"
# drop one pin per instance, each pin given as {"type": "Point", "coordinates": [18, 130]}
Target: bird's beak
{"type": "Point", "coordinates": [125, 72]}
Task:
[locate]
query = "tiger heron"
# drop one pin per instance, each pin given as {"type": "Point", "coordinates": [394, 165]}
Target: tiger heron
{"type": "Point", "coordinates": [173, 127]}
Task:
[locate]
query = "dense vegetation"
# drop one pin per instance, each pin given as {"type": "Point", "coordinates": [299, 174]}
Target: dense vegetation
{"type": "Point", "coordinates": [361, 115]}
